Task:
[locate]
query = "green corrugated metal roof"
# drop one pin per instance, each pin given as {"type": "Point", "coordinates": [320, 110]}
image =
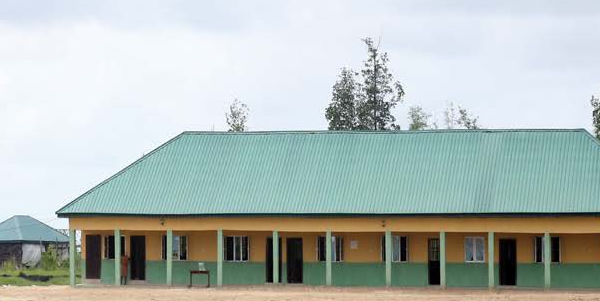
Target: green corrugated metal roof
{"type": "Point", "coordinates": [24, 228]}
{"type": "Point", "coordinates": [400, 172]}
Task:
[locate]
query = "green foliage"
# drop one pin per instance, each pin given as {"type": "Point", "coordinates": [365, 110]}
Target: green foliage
{"type": "Point", "coordinates": [460, 118]}
{"type": "Point", "coordinates": [237, 116]}
{"type": "Point", "coordinates": [342, 111]}
{"type": "Point", "coordinates": [596, 115]}
{"type": "Point", "coordinates": [365, 102]}
{"type": "Point", "coordinates": [9, 266]}
{"type": "Point", "coordinates": [379, 93]}
{"type": "Point", "coordinates": [49, 261]}
{"type": "Point", "coordinates": [418, 118]}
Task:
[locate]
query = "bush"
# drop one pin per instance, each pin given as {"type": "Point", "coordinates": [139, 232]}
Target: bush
{"type": "Point", "coordinates": [10, 265]}
{"type": "Point", "coordinates": [49, 260]}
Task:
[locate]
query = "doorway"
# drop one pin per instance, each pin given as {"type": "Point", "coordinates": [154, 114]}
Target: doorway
{"type": "Point", "coordinates": [434, 261]}
{"type": "Point", "coordinates": [508, 262]}
{"type": "Point", "coordinates": [138, 257]}
{"type": "Point", "coordinates": [92, 256]}
{"type": "Point", "coordinates": [269, 260]}
{"type": "Point", "coordinates": [294, 260]}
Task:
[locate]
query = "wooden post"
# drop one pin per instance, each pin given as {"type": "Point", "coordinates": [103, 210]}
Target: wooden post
{"type": "Point", "coordinates": [491, 274]}
{"type": "Point", "coordinates": [443, 259]}
{"type": "Point", "coordinates": [388, 258]}
{"type": "Point", "coordinates": [117, 257]}
{"type": "Point", "coordinates": [220, 257]}
{"type": "Point", "coordinates": [328, 258]}
{"type": "Point", "coordinates": [547, 260]}
{"type": "Point", "coordinates": [169, 257]}
{"type": "Point", "coordinates": [275, 257]}
{"type": "Point", "coordinates": [72, 252]}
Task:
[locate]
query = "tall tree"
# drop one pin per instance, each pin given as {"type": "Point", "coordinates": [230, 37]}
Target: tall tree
{"type": "Point", "coordinates": [379, 92]}
{"type": "Point", "coordinates": [365, 102]}
{"type": "Point", "coordinates": [342, 110]}
{"type": "Point", "coordinates": [237, 116]}
{"type": "Point", "coordinates": [596, 115]}
{"type": "Point", "coordinates": [418, 118]}
{"type": "Point", "coordinates": [460, 118]}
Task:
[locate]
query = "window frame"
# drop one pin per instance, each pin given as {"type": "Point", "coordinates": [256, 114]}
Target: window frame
{"type": "Point", "coordinates": [474, 249]}
{"type": "Point", "coordinates": [535, 249]}
{"type": "Point", "coordinates": [239, 248]}
{"type": "Point", "coordinates": [163, 249]}
{"type": "Point", "coordinates": [107, 247]}
{"type": "Point", "coordinates": [334, 248]}
{"type": "Point", "coordinates": [407, 259]}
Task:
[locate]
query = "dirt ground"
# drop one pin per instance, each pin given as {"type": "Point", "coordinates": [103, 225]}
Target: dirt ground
{"type": "Point", "coordinates": [279, 293]}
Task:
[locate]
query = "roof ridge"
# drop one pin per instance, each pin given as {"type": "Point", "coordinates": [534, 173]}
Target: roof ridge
{"type": "Point", "coordinates": [283, 132]}
{"type": "Point", "coordinates": [120, 172]}
{"type": "Point", "coordinates": [18, 228]}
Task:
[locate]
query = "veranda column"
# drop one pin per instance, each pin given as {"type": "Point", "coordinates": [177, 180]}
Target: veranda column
{"type": "Point", "coordinates": [220, 257]}
{"type": "Point", "coordinates": [547, 260]}
{"type": "Point", "coordinates": [491, 274]}
{"type": "Point", "coordinates": [72, 252]}
{"type": "Point", "coordinates": [328, 258]}
{"type": "Point", "coordinates": [388, 258]}
{"type": "Point", "coordinates": [275, 257]}
{"type": "Point", "coordinates": [117, 256]}
{"type": "Point", "coordinates": [443, 259]}
{"type": "Point", "coordinates": [169, 257]}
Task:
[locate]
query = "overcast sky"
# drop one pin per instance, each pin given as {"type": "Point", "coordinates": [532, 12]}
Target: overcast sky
{"type": "Point", "coordinates": [87, 87]}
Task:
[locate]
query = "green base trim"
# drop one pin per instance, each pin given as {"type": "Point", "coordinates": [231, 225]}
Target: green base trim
{"type": "Point", "coordinates": [410, 274]}
{"type": "Point", "coordinates": [467, 274]}
{"type": "Point", "coordinates": [575, 275]}
{"type": "Point", "coordinates": [107, 271]}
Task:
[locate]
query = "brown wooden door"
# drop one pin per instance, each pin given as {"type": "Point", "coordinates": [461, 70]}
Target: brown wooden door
{"type": "Point", "coordinates": [92, 256]}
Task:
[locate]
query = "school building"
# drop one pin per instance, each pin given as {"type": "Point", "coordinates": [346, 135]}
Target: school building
{"type": "Point", "coordinates": [449, 208]}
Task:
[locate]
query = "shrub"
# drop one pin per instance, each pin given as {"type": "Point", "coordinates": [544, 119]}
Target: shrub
{"type": "Point", "coordinates": [49, 260]}
{"type": "Point", "coordinates": [10, 265]}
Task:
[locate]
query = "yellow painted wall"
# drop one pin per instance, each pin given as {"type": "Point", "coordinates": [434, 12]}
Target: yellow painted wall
{"type": "Point", "coordinates": [567, 224]}
{"type": "Point", "coordinates": [575, 248]}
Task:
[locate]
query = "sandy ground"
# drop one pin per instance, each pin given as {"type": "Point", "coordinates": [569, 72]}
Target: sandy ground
{"type": "Point", "coordinates": [279, 293]}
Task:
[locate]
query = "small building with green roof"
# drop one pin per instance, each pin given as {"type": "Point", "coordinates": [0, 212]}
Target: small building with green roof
{"type": "Point", "coordinates": [448, 208]}
{"type": "Point", "coordinates": [23, 239]}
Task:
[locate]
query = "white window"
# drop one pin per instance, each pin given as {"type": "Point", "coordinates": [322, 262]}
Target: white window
{"type": "Point", "coordinates": [399, 248]}
{"type": "Point", "coordinates": [180, 247]}
{"type": "Point", "coordinates": [237, 248]}
{"type": "Point", "coordinates": [538, 249]}
{"type": "Point", "coordinates": [474, 249]}
{"type": "Point", "coordinates": [337, 246]}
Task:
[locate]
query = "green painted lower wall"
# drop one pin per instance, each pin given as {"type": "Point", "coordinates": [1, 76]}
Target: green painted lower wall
{"type": "Point", "coordinates": [574, 275]}
{"type": "Point", "coordinates": [530, 275]}
{"type": "Point", "coordinates": [366, 274]}
{"type": "Point", "coordinates": [313, 273]}
{"type": "Point", "coordinates": [233, 272]}
{"type": "Point", "coordinates": [467, 275]}
{"type": "Point", "coordinates": [409, 274]}
{"type": "Point", "coordinates": [358, 274]}
{"type": "Point", "coordinates": [107, 271]}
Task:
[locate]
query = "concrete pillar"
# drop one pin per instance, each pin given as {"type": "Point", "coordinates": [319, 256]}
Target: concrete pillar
{"type": "Point", "coordinates": [388, 258]}
{"type": "Point", "coordinates": [275, 257]}
{"type": "Point", "coordinates": [72, 253]}
{"type": "Point", "coordinates": [491, 274]}
{"type": "Point", "coordinates": [117, 257]}
{"type": "Point", "coordinates": [443, 259]}
{"type": "Point", "coordinates": [547, 259]}
{"type": "Point", "coordinates": [328, 258]}
{"type": "Point", "coordinates": [220, 257]}
{"type": "Point", "coordinates": [169, 257]}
